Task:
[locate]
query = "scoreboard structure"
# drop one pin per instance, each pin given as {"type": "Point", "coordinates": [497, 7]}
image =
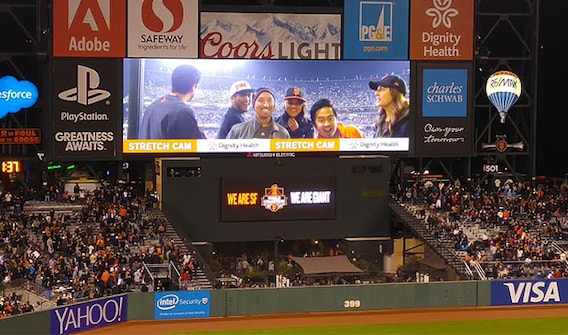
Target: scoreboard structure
{"type": "Point", "coordinates": [267, 198]}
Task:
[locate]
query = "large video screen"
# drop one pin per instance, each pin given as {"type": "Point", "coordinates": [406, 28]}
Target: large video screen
{"type": "Point", "coordinates": [206, 118]}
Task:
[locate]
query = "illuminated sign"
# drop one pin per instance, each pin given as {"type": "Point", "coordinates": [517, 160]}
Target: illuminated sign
{"type": "Point", "coordinates": [20, 136]}
{"type": "Point", "coordinates": [274, 198]}
{"type": "Point", "coordinates": [89, 28]}
{"type": "Point", "coordinates": [278, 199]}
{"type": "Point", "coordinates": [375, 29]}
{"type": "Point", "coordinates": [345, 83]}
{"type": "Point", "coordinates": [85, 106]}
{"type": "Point", "coordinates": [16, 94]}
{"type": "Point", "coordinates": [270, 36]}
{"type": "Point", "coordinates": [242, 199]}
{"type": "Point", "coordinates": [11, 166]}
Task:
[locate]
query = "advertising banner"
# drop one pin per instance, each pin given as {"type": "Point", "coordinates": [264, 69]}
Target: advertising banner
{"type": "Point", "coordinates": [528, 292]}
{"type": "Point", "coordinates": [270, 36]}
{"type": "Point", "coordinates": [147, 82]}
{"type": "Point", "coordinates": [16, 94]}
{"type": "Point", "coordinates": [375, 29]}
{"type": "Point", "coordinates": [88, 315]}
{"type": "Point", "coordinates": [89, 28]}
{"type": "Point", "coordinates": [163, 28]}
{"type": "Point", "coordinates": [442, 30]}
{"type": "Point", "coordinates": [20, 136]}
{"type": "Point", "coordinates": [182, 305]}
{"type": "Point", "coordinates": [444, 121]}
{"type": "Point", "coordinates": [86, 107]}
{"type": "Point", "coordinates": [278, 199]}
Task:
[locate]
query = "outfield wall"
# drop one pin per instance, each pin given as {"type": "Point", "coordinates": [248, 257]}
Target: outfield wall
{"type": "Point", "coordinates": [241, 302]}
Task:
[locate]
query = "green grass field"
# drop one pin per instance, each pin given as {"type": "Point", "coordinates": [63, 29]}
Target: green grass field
{"type": "Point", "coordinates": [545, 326]}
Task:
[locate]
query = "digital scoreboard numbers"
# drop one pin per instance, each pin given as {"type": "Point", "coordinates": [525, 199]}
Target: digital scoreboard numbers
{"type": "Point", "coordinates": [278, 199]}
{"type": "Point", "coordinates": [11, 166]}
{"type": "Point", "coordinates": [20, 136]}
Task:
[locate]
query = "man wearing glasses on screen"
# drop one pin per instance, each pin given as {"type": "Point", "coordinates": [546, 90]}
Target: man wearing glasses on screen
{"type": "Point", "coordinates": [262, 125]}
{"type": "Point", "coordinates": [324, 116]}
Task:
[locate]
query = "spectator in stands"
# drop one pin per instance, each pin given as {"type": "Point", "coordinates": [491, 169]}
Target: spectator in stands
{"type": "Point", "coordinates": [263, 124]}
{"type": "Point", "coordinates": [169, 117]}
{"type": "Point", "coordinates": [324, 116]}
{"type": "Point", "coordinates": [394, 110]}
{"type": "Point", "coordinates": [294, 118]}
{"type": "Point", "coordinates": [240, 95]}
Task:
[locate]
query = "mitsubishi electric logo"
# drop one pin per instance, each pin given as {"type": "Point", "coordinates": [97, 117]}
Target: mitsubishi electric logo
{"type": "Point", "coordinates": [86, 92]}
{"type": "Point", "coordinates": [442, 12]}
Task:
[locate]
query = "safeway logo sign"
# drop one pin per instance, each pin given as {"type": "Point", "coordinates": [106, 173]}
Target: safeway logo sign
{"type": "Point", "coordinates": [164, 17]}
{"type": "Point", "coordinates": [163, 28]}
{"type": "Point", "coordinates": [89, 28]}
{"type": "Point", "coordinates": [87, 91]}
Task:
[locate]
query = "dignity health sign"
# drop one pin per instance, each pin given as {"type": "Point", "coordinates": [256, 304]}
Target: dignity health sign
{"type": "Point", "coordinates": [182, 305]}
{"type": "Point", "coordinates": [16, 94]}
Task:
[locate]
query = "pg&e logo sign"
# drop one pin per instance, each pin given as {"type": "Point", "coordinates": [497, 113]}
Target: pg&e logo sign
{"type": "Point", "coordinates": [15, 95]}
{"type": "Point", "coordinates": [89, 28]}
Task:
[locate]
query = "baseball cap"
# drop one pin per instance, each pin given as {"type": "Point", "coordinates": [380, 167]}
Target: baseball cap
{"type": "Point", "coordinates": [259, 91]}
{"type": "Point", "coordinates": [295, 93]}
{"type": "Point", "coordinates": [391, 81]}
{"type": "Point", "coordinates": [241, 86]}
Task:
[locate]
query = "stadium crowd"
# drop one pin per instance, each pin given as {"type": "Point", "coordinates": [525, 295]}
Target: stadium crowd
{"type": "Point", "coordinates": [70, 255]}
{"type": "Point", "coordinates": [523, 225]}
{"type": "Point", "coordinates": [99, 250]}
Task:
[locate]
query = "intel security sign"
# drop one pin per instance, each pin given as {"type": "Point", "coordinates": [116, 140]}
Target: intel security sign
{"type": "Point", "coordinates": [16, 94]}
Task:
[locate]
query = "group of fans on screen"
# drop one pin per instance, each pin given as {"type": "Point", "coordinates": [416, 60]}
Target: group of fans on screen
{"type": "Point", "coordinates": [170, 116]}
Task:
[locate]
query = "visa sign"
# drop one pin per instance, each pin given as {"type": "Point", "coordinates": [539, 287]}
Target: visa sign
{"type": "Point", "coordinates": [527, 292]}
{"type": "Point", "coordinates": [16, 94]}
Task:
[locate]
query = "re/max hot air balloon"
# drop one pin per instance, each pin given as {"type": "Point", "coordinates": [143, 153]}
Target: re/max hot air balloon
{"type": "Point", "coordinates": [503, 89]}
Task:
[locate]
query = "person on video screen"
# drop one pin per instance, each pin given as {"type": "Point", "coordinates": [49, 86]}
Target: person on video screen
{"type": "Point", "coordinates": [169, 117]}
{"type": "Point", "coordinates": [240, 93]}
{"type": "Point", "coordinates": [294, 118]}
{"type": "Point", "coordinates": [394, 107]}
{"type": "Point", "coordinates": [262, 125]}
{"type": "Point", "coordinates": [324, 116]}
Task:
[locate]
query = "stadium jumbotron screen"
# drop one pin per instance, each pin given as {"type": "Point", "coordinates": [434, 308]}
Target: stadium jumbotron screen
{"type": "Point", "coordinates": [158, 120]}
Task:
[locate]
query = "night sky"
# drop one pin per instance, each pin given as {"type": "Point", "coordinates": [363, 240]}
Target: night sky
{"type": "Point", "coordinates": [552, 115]}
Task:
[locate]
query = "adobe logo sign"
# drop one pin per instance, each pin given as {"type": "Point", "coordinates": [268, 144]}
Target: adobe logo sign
{"type": "Point", "coordinates": [89, 28]}
{"type": "Point", "coordinates": [163, 28]}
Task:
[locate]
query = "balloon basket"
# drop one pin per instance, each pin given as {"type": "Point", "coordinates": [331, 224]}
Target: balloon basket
{"type": "Point", "coordinates": [503, 115]}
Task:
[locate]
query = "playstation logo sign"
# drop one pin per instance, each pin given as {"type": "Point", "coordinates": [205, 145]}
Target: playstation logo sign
{"type": "Point", "coordinates": [87, 91]}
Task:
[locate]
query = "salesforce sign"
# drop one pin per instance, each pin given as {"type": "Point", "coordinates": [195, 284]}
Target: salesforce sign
{"type": "Point", "coordinates": [16, 94]}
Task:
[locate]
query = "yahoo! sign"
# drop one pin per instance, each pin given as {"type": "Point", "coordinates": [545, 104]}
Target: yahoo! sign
{"type": "Point", "coordinates": [89, 315]}
{"type": "Point", "coordinates": [16, 94]}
